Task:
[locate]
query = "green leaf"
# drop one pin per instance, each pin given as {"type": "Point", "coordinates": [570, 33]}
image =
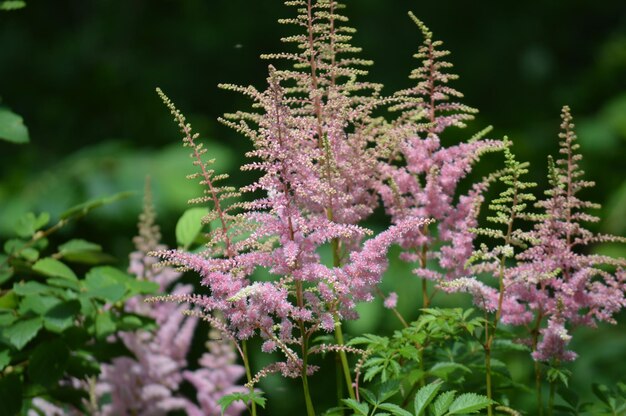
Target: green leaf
{"type": "Point", "coordinates": [21, 332]}
{"type": "Point", "coordinates": [82, 251]}
{"type": "Point", "coordinates": [9, 300]}
{"type": "Point", "coordinates": [444, 369]}
{"type": "Point", "coordinates": [31, 288]}
{"type": "Point", "coordinates": [7, 318]}
{"type": "Point", "coordinates": [12, 126]}
{"type": "Point", "coordinates": [37, 303]}
{"type": "Point", "coordinates": [28, 224]}
{"type": "Point", "coordinates": [11, 393]}
{"type": "Point", "coordinates": [63, 283]}
{"type": "Point", "coordinates": [359, 408]}
{"type": "Point", "coordinates": [443, 402]}
{"type": "Point", "coordinates": [104, 325]}
{"type": "Point", "coordinates": [54, 268]}
{"type": "Point", "coordinates": [5, 359]}
{"type": "Point", "coordinates": [61, 316]}
{"type": "Point", "coordinates": [394, 409]}
{"type": "Point", "coordinates": [107, 283]}
{"type": "Point", "coordinates": [425, 395]}
{"type": "Point", "coordinates": [387, 390]}
{"type": "Point", "coordinates": [85, 207]}
{"type": "Point", "coordinates": [29, 254]}
{"type": "Point", "coordinates": [81, 365]}
{"type": "Point", "coordinates": [189, 226]}
{"type": "Point", "coordinates": [254, 396]}
{"type": "Point", "coordinates": [468, 403]}
{"type": "Point", "coordinates": [48, 362]}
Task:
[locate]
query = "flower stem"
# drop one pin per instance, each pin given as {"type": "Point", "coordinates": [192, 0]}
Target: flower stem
{"type": "Point", "coordinates": [344, 359]}
{"type": "Point", "coordinates": [246, 364]}
{"type": "Point", "coordinates": [310, 411]}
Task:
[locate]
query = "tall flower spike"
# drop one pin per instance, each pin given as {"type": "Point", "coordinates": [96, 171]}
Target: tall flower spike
{"type": "Point", "coordinates": [555, 278]}
{"type": "Point", "coordinates": [419, 177]}
{"type": "Point", "coordinates": [427, 106]}
{"type": "Point", "coordinates": [213, 194]}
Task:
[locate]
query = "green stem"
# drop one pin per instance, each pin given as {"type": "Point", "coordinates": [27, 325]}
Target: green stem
{"type": "Point", "coordinates": [487, 347]}
{"type": "Point", "coordinates": [551, 398]}
{"type": "Point", "coordinates": [538, 388]}
{"type": "Point", "coordinates": [310, 411]}
{"type": "Point", "coordinates": [344, 359]}
{"type": "Point", "coordinates": [246, 364]}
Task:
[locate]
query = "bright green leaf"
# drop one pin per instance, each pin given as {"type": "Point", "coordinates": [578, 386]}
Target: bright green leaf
{"type": "Point", "coordinates": [29, 223]}
{"type": "Point", "coordinates": [12, 126]}
{"type": "Point", "coordinates": [394, 409]}
{"type": "Point", "coordinates": [104, 325]}
{"type": "Point", "coordinates": [21, 332]}
{"type": "Point", "coordinates": [255, 396]}
{"type": "Point", "coordinates": [54, 268]}
{"type": "Point", "coordinates": [360, 408]}
{"type": "Point", "coordinates": [189, 226]}
{"type": "Point", "coordinates": [425, 395]}
{"type": "Point", "coordinates": [468, 403]}
{"type": "Point", "coordinates": [443, 402]}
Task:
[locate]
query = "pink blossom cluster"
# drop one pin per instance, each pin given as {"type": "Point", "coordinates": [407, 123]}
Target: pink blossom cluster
{"type": "Point", "coordinates": [312, 135]}
{"type": "Point", "coordinates": [149, 381]}
{"type": "Point", "coordinates": [420, 177]}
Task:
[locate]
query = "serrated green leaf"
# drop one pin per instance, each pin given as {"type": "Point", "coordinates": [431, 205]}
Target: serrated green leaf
{"type": "Point", "coordinates": [31, 288]}
{"type": "Point", "coordinates": [29, 223]}
{"type": "Point", "coordinates": [7, 318]}
{"type": "Point", "coordinates": [394, 409]}
{"type": "Point", "coordinates": [21, 332]}
{"type": "Point", "coordinates": [48, 362]}
{"type": "Point", "coordinates": [359, 408]}
{"type": "Point", "coordinates": [443, 402]}
{"type": "Point", "coordinates": [61, 316]}
{"type": "Point", "coordinates": [37, 304]}
{"type": "Point", "coordinates": [425, 395]}
{"type": "Point", "coordinates": [12, 126]}
{"type": "Point", "coordinates": [85, 207]}
{"type": "Point", "coordinates": [254, 396]}
{"type": "Point", "coordinates": [189, 226]}
{"type": "Point", "coordinates": [54, 268]}
{"type": "Point", "coordinates": [11, 392]}
{"type": "Point", "coordinates": [468, 403]}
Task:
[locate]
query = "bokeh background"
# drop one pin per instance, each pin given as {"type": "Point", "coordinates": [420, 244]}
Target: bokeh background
{"type": "Point", "coordinates": [82, 74]}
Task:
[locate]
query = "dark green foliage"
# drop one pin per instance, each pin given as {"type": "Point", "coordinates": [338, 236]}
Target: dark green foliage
{"type": "Point", "coordinates": [56, 309]}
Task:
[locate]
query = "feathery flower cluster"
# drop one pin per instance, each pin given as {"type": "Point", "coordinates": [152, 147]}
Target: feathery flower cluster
{"type": "Point", "coordinates": [555, 279]}
{"type": "Point", "coordinates": [311, 137]}
{"type": "Point", "coordinates": [420, 177]}
{"type": "Point", "coordinates": [148, 383]}
{"type": "Point", "coordinates": [543, 274]}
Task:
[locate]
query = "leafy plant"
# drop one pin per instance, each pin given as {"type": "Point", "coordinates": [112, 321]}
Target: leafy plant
{"type": "Point", "coordinates": [57, 308]}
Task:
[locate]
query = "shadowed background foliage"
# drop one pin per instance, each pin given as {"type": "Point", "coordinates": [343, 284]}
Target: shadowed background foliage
{"type": "Point", "coordinates": [82, 74]}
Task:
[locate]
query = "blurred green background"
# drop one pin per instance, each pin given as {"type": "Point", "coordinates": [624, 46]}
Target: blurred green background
{"type": "Point", "coordinates": [83, 73]}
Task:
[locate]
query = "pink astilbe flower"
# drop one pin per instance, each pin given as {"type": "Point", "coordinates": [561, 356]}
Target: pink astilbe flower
{"type": "Point", "coordinates": [148, 383]}
{"type": "Point", "coordinates": [311, 135]}
{"type": "Point", "coordinates": [420, 176]}
{"type": "Point", "coordinates": [555, 279]}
